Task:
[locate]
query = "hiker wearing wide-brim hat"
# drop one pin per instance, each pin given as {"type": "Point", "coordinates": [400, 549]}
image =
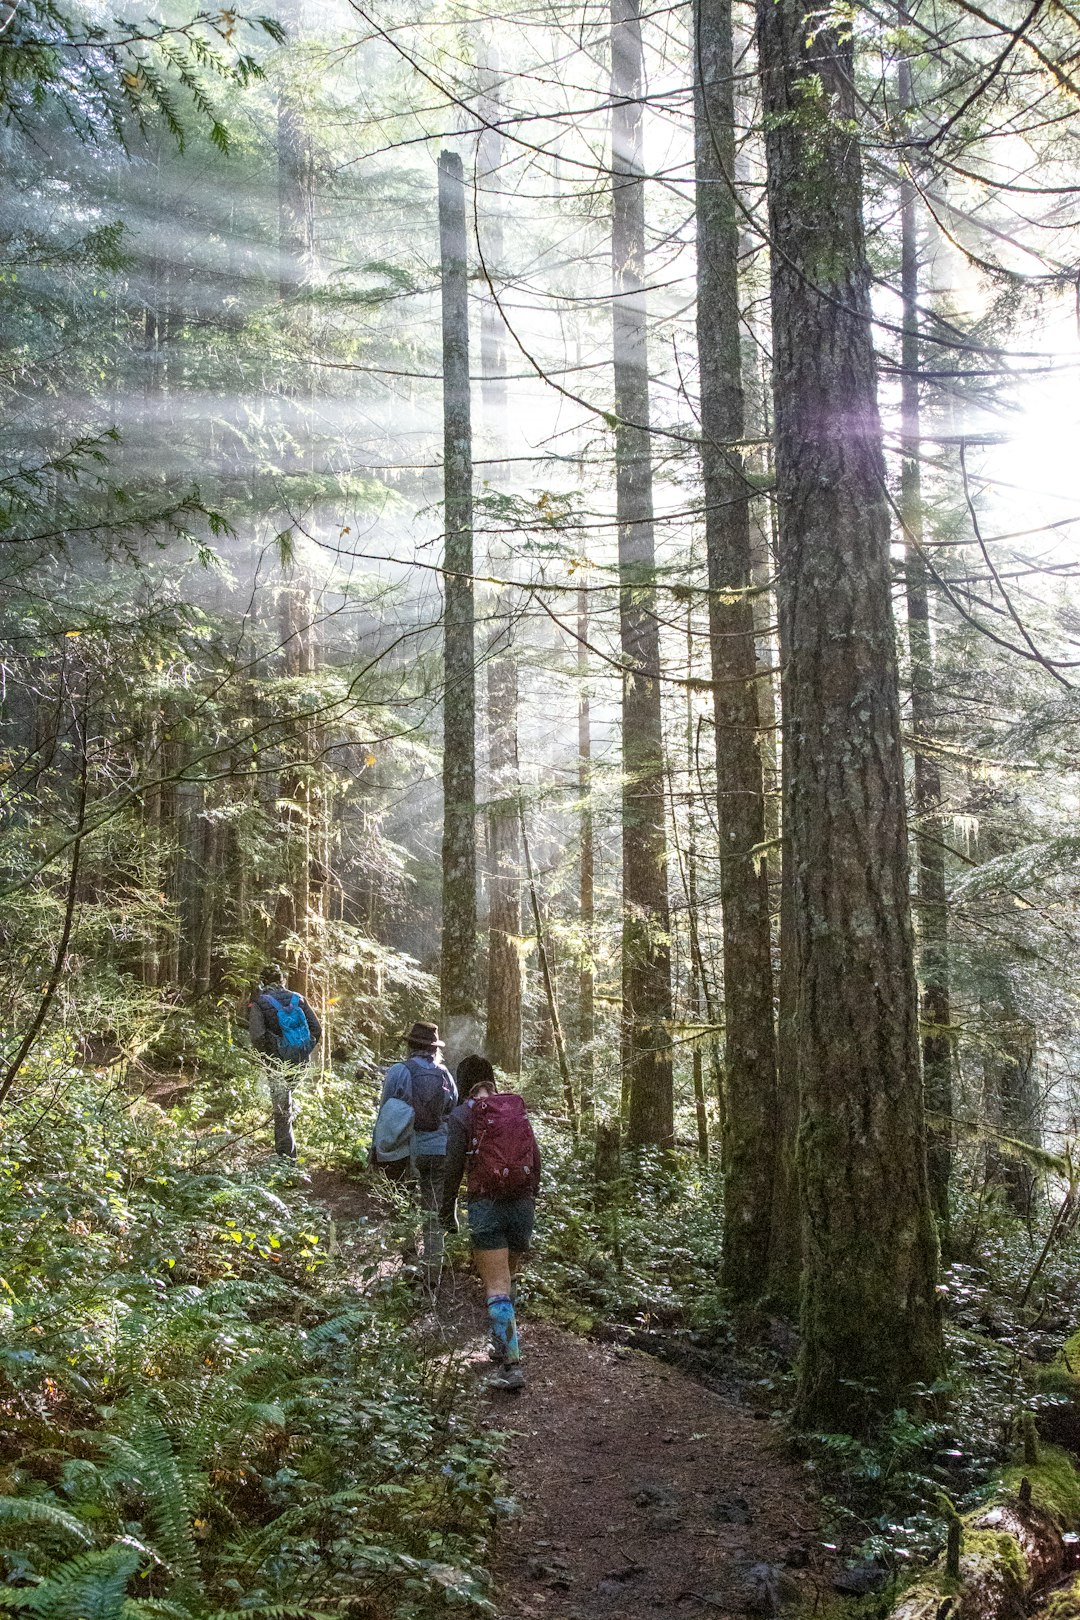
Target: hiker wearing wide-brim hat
{"type": "Point", "coordinates": [423, 1038]}
{"type": "Point", "coordinates": [418, 1097]}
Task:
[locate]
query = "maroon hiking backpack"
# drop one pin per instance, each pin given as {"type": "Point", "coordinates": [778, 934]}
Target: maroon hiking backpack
{"type": "Point", "coordinates": [502, 1148]}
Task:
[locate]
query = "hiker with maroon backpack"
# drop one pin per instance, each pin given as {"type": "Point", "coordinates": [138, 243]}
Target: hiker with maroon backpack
{"type": "Point", "coordinates": [490, 1140]}
{"type": "Point", "coordinates": [418, 1096]}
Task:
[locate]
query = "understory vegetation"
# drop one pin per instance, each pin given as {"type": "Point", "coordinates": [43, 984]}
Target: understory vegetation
{"type": "Point", "coordinates": [208, 1404]}
{"type": "Point", "coordinates": [216, 1401]}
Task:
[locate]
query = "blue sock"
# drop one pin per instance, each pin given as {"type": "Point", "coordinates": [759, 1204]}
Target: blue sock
{"type": "Point", "coordinates": [504, 1325]}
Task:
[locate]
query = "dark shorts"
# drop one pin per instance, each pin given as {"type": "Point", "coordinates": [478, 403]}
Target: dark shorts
{"type": "Point", "coordinates": [501, 1223]}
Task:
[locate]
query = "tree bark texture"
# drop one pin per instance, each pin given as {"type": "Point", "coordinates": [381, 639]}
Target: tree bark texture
{"type": "Point", "coordinates": [646, 947]}
{"type": "Point", "coordinates": [870, 1314]}
{"type": "Point", "coordinates": [504, 966]}
{"type": "Point", "coordinates": [504, 975]}
{"type": "Point", "coordinates": [749, 1142]}
{"type": "Point", "coordinates": [933, 929]}
{"type": "Point", "coordinates": [458, 958]}
{"type": "Point", "coordinates": [586, 872]}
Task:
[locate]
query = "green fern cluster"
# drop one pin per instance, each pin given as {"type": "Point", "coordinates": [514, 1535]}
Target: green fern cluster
{"type": "Point", "coordinates": [195, 1426]}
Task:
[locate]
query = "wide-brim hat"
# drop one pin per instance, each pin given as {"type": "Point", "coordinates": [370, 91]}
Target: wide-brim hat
{"type": "Point", "coordinates": [424, 1035]}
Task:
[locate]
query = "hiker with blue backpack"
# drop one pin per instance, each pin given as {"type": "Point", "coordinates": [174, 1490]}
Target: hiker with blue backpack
{"type": "Point", "coordinates": [418, 1097]}
{"type": "Point", "coordinates": [491, 1142]}
{"type": "Point", "coordinates": [285, 1030]}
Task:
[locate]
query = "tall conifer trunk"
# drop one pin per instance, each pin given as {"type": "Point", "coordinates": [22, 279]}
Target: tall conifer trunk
{"type": "Point", "coordinates": [646, 949]}
{"type": "Point", "coordinates": [586, 872]}
{"type": "Point", "coordinates": [458, 957]}
{"type": "Point", "coordinates": [749, 1143]}
{"type": "Point", "coordinates": [930, 854]}
{"type": "Point", "coordinates": [870, 1314]}
{"type": "Point", "coordinates": [504, 968]}
{"type": "Point", "coordinates": [503, 1036]}
{"type": "Point", "coordinates": [296, 243]}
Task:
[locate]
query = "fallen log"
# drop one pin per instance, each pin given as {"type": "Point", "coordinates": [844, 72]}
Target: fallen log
{"type": "Point", "coordinates": [1010, 1550]}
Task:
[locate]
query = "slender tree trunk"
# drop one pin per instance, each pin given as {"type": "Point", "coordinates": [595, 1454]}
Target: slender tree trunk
{"type": "Point", "coordinates": [646, 949]}
{"type": "Point", "coordinates": [586, 873]}
{"type": "Point", "coordinates": [547, 973]}
{"type": "Point", "coordinates": [503, 1040]}
{"type": "Point", "coordinates": [296, 236]}
{"type": "Point", "coordinates": [154, 858]}
{"type": "Point", "coordinates": [750, 1038]}
{"type": "Point", "coordinates": [206, 916]}
{"type": "Point", "coordinates": [458, 957]}
{"type": "Point", "coordinates": [1011, 1098]}
{"type": "Point", "coordinates": [504, 967]}
{"type": "Point", "coordinates": [294, 897]}
{"type": "Point", "coordinates": [697, 986]}
{"type": "Point", "coordinates": [871, 1321]}
{"type": "Point", "coordinates": [933, 929]}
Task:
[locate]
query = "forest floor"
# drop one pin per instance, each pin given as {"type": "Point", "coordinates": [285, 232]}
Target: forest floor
{"type": "Point", "coordinates": [643, 1494]}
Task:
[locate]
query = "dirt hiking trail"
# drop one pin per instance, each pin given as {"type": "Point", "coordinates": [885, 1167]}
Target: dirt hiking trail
{"type": "Point", "coordinates": [643, 1494]}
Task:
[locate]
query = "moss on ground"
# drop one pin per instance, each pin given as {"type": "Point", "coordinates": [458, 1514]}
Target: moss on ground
{"type": "Point", "coordinates": [1062, 1376]}
{"type": "Point", "coordinates": [997, 1549]}
{"type": "Point", "coordinates": [1055, 1484]}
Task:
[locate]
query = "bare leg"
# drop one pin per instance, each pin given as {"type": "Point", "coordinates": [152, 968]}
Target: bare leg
{"type": "Point", "coordinates": [494, 1268]}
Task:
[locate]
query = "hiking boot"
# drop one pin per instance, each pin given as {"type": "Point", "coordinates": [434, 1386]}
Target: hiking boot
{"type": "Point", "coordinates": [509, 1376]}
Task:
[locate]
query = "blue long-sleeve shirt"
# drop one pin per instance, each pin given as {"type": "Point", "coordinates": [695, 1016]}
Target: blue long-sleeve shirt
{"type": "Point", "coordinates": [398, 1083]}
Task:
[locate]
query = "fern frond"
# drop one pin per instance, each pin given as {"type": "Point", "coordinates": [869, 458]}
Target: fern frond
{"type": "Point", "coordinates": [146, 1459]}
{"type": "Point", "coordinates": [156, 1609]}
{"type": "Point", "coordinates": [90, 1586]}
{"type": "Point", "coordinates": [27, 1510]}
{"type": "Point", "coordinates": [276, 1611]}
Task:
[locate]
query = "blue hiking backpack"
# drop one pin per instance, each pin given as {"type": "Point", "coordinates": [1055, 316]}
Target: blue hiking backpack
{"type": "Point", "coordinates": [292, 1037]}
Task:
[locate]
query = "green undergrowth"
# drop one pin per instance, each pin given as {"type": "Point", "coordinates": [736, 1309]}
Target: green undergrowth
{"type": "Point", "coordinates": [200, 1414]}
{"type": "Point", "coordinates": [639, 1253]}
{"type": "Point", "coordinates": [882, 1496]}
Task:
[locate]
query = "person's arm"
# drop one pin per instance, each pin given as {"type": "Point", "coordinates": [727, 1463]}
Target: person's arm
{"type": "Point", "coordinates": [397, 1083]}
{"type": "Point", "coordinates": [457, 1142]}
{"type": "Point", "coordinates": [451, 1095]}
{"type": "Point", "coordinates": [536, 1167]}
{"type": "Point", "coordinates": [258, 1028]}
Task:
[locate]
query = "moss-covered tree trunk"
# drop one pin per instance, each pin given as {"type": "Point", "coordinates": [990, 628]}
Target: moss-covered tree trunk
{"type": "Point", "coordinates": [933, 917]}
{"type": "Point", "coordinates": [749, 1140]}
{"type": "Point", "coordinates": [870, 1313]}
{"type": "Point", "coordinates": [646, 948]}
{"type": "Point", "coordinates": [458, 955]}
